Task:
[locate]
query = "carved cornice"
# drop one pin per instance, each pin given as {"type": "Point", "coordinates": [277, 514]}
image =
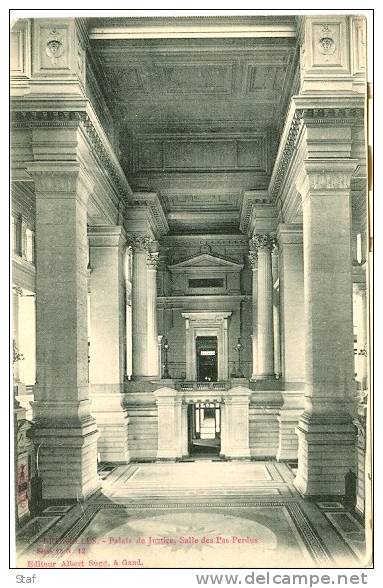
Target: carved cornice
{"type": "Point", "coordinates": [249, 201]}
{"type": "Point", "coordinates": [299, 117]}
{"type": "Point", "coordinates": [151, 202]}
{"type": "Point", "coordinates": [73, 119]}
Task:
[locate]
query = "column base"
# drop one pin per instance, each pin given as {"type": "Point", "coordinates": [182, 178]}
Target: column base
{"type": "Point", "coordinates": [67, 460]}
{"type": "Point", "coordinates": [238, 454]}
{"type": "Point", "coordinates": [288, 419]}
{"type": "Point", "coordinates": [264, 377]}
{"type": "Point", "coordinates": [112, 423]}
{"type": "Point", "coordinates": [326, 452]}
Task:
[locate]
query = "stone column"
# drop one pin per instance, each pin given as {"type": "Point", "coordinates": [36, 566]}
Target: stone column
{"type": "Point", "coordinates": [290, 239]}
{"type": "Point", "coordinates": [277, 339]}
{"type": "Point", "coordinates": [159, 354]}
{"type": "Point", "coordinates": [223, 430]}
{"type": "Point", "coordinates": [108, 339]}
{"type": "Point", "coordinates": [152, 344]}
{"type": "Point", "coordinates": [65, 431]}
{"type": "Point", "coordinates": [326, 434]}
{"type": "Point", "coordinates": [170, 428]}
{"type": "Point", "coordinates": [189, 343]}
{"type": "Point", "coordinates": [140, 246]}
{"type": "Point", "coordinates": [360, 423]}
{"type": "Point", "coordinates": [276, 317]}
{"type": "Point", "coordinates": [265, 340]}
{"type": "Point", "coordinates": [27, 338]}
{"type": "Point", "coordinates": [236, 423]}
{"type": "Point", "coordinates": [184, 430]}
{"type": "Point", "coordinates": [253, 258]}
{"type": "Point", "coordinates": [360, 321]}
{"type": "Point", "coordinates": [16, 292]}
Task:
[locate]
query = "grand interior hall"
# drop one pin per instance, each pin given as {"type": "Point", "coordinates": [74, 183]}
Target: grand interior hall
{"type": "Point", "coordinates": [190, 291]}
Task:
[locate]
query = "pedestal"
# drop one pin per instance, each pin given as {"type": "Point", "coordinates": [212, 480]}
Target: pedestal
{"type": "Point", "coordinates": [170, 424]}
{"type": "Point", "coordinates": [291, 410]}
{"type": "Point", "coordinates": [235, 425]}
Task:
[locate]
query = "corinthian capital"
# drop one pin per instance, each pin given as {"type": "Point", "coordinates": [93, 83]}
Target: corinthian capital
{"type": "Point", "coordinates": [139, 242]}
{"type": "Point", "coordinates": [262, 241]}
{"type": "Point", "coordinates": [152, 260]}
{"type": "Point", "coordinates": [253, 257]}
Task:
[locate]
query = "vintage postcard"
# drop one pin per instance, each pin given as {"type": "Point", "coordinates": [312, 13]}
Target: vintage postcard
{"type": "Point", "coordinates": [190, 290]}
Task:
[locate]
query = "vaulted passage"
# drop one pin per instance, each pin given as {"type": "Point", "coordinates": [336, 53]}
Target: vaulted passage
{"type": "Point", "coordinates": [189, 258]}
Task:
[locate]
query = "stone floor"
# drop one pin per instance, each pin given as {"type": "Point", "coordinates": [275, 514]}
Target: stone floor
{"type": "Point", "coordinates": [198, 514]}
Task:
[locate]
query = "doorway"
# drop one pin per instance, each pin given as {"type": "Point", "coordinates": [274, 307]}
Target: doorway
{"type": "Point", "coordinates": [207, 359]}
{"type": "Point", "coordinates": [204, 428]}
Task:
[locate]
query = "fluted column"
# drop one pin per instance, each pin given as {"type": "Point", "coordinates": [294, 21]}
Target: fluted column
{"type": "Point", "coordinates": [360, 322]}
{"type": "Point", "coordinates": [253, 259]}
{"type": "Point", "coordinates": [152, 335]}
{"type": "Point", "coordinates": [265, 341]}
{"type": "Point", "coordinates": [276, 331]}
{"type": "Point", "coordinates": [140, 246]}
{"type": "Point", "coordinates": [276, 315]}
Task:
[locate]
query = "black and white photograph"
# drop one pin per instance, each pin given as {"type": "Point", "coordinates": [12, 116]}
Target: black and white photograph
{"type": "Point", "coordinates": [190, 254]}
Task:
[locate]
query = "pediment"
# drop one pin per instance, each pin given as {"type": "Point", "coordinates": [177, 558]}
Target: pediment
{"type": "Point", "coordinates": [206, 261]}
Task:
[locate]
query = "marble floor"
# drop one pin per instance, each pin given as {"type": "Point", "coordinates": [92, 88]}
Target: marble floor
{"type": "Point", "coordinates": [198, 514]}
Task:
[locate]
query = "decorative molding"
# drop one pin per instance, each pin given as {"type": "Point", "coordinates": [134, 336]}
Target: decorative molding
{"type": "Point", "coordinates": [358, 35]}
{"type": "Point", "coordinates": [52, 47]}
{"type": "Point", "coordinates": [206, 261]}
{"type": "Point", "coordinates": [20, 50]}
{"type": "Point", "coordinates": [195, 241]}
{"type": "Point", "coordinates": [249, 201]}
{"type": "Point", "coordinates": [73, 119]}
{"type": "Point", "coordinates": [150, 202]}
{"type": "Point", "coordinates": [196, 152]}
{"type": "Point", "coordinates": [333, 115]}
{"type": "Point", "coordinates": [106, 236]}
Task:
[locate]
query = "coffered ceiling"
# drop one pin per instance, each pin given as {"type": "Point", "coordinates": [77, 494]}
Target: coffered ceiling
{"type": "Point", "coordinates": [199, 118]}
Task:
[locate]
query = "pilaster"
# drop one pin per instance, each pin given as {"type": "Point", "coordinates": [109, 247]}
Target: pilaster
{"type": "Point", "coordinates": [326, 433]}
{"type": "Point", "coordinates": [65, 432]}
{"type": "Point", "coordinates": [290, 240]}
{"type": "Point", "coordinates": [108, 339]}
